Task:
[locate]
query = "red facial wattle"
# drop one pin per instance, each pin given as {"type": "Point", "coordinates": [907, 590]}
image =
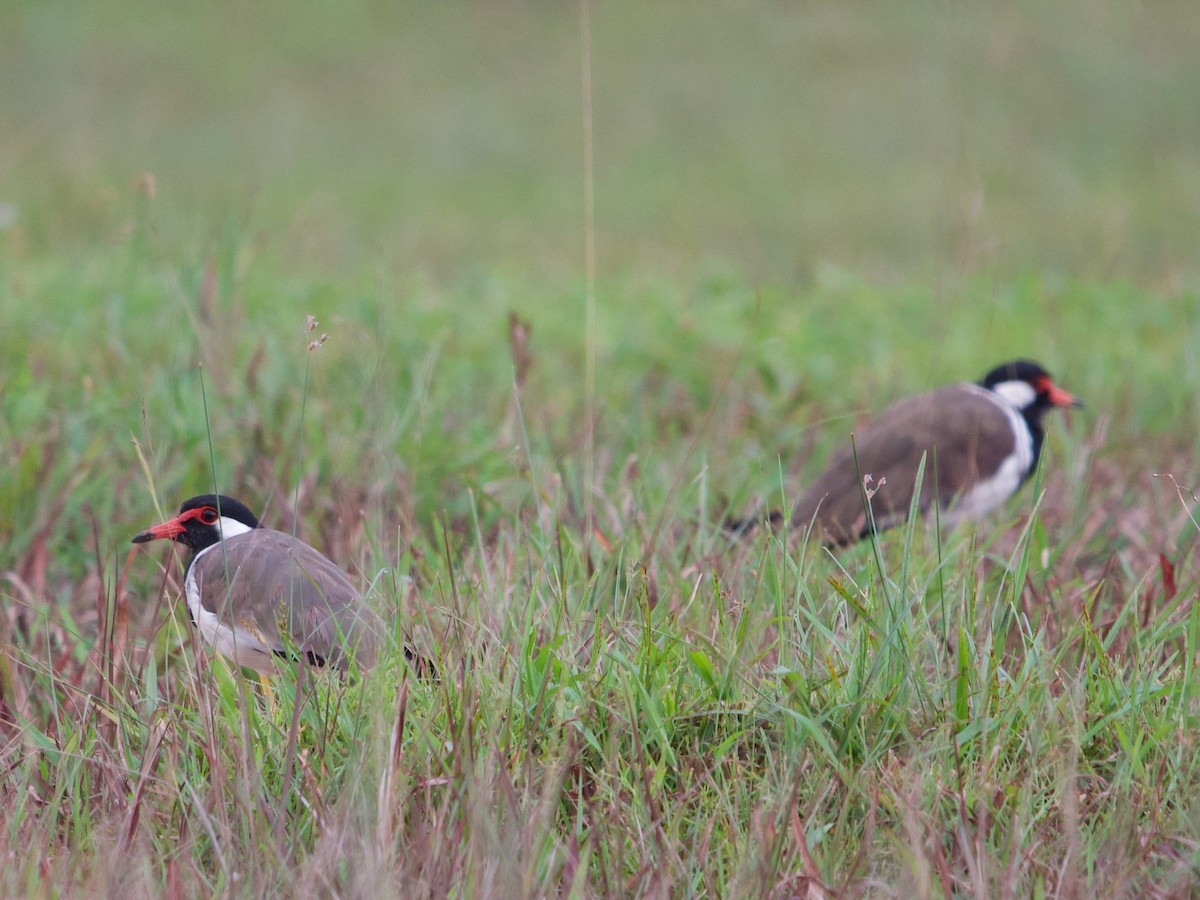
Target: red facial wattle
{"type": "Point", "coordinates": [177, 526]}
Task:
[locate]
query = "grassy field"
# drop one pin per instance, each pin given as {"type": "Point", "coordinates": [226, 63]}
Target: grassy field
{"type": "Point", "coordinates": [802, 212]}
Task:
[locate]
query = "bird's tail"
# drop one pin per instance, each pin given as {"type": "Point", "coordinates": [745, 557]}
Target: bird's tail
{"type": "Point", "coordinates": [773, 519]}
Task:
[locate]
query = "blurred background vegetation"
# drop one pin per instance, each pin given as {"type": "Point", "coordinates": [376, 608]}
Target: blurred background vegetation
{"type": "Point", "coordinates": [772, 140]}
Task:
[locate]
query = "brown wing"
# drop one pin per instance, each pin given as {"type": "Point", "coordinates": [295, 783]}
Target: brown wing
{"type": "Point", "coordinates": [277, 580]}
{"type": "Point", "coordinates": [963, 433]}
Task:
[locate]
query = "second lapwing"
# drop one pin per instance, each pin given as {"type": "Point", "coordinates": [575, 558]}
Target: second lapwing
{"type": "Point", "coordinates": [980, 443]}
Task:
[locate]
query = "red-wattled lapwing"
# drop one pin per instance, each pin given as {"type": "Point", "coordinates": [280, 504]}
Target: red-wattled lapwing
{"type": "Point", "coordinates": [981, 441]}
{"type": "Point", "coordinates": [247, 586]}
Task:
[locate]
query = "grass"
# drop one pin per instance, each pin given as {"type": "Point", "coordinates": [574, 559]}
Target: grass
{"type": "Point", "coordinates": [649, 708]}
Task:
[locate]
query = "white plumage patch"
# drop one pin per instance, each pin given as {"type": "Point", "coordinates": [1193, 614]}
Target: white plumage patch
{"type": "Point", "coordinates": [991, 492]}
{"type": "Point", "coordinates": [231, 527]}
{"type": "Point", "coordinates": [1019, 393]}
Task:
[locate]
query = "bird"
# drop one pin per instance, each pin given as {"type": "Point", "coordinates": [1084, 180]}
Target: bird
{"type": "Point", "coordinates": [258, 595]}
{"type": "Point", "coordinates": [980, 441]}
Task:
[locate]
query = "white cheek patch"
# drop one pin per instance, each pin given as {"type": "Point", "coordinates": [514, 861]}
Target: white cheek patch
{"type": "Point", "coordinates": [231, 527]}
{"type": "Point", "coordinates": [1019, 393]}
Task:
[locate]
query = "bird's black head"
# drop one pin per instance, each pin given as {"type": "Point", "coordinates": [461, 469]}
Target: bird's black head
{"type": "Point", "coordinates": [202, 521]}
{"type": "Point", "coordinates": [1028, 387]}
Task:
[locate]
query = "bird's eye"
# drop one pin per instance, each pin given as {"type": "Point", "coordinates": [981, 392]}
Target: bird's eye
{"type": "Point", "coordinates": [208, 516]}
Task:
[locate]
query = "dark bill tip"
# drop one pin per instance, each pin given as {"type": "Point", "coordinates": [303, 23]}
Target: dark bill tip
{"type": "Point", "coordinates": [1064, 399]}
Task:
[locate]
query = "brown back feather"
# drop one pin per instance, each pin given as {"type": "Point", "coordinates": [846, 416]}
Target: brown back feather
{"type": "Point", "coordinates": [969, 433]}
{"type": "Point", "coordinates": [326, 624]}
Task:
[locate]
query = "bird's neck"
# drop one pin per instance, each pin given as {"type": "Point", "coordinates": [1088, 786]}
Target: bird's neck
{"type": "Point", "coordinates": [1033, 421]}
